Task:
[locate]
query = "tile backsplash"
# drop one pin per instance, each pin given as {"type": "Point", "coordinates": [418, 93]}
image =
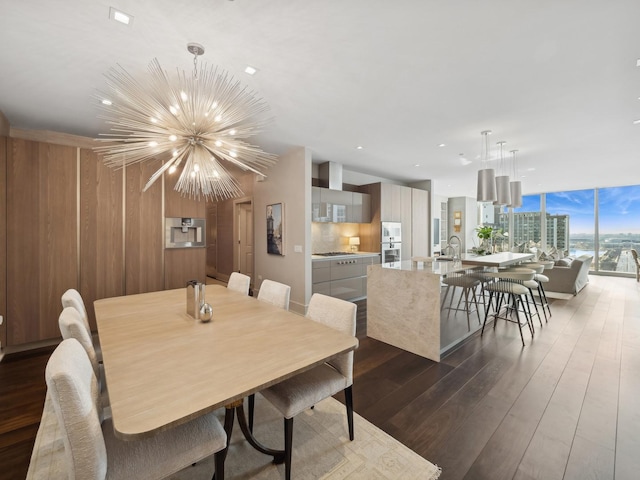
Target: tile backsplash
{"type": "Point", "coordinates": [332, 237]}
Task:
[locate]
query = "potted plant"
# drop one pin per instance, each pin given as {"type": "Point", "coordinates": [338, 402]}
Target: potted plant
{"type": "Point", "coordinates": [485, 234]}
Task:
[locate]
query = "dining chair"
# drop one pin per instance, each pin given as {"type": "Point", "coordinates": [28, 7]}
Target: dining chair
{"type": "Point", "coordinates": [72, 298]}
{"type": "Point", "coordinates": [275, 293]}
{"type": "Point", "coordinates": [92, 450]}
{"type": "Point", "coordinates": [71, 326]}
{"type": "Point", "coordinates": [239, 282]}
{"type": "Point", "coordinates": [306, 389]}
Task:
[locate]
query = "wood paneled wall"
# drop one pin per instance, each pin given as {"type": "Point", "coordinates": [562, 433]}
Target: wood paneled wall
{"type": "Point", "coordinates": [183, 264]}
{"type": "Point", "coordinates": [71, 222]}
{"type": "Point", "coordinates": [3, 236]}
{"type": "Point", "coordinates": [144, 231]}
{"type": "Point", "coordinates": [42, 228]}
{"type": "Point", "coordinates": [101, 231]}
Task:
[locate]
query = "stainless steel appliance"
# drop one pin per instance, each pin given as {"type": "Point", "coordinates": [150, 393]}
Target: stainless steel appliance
{"type": "Point", "coordinates": [391, 244]}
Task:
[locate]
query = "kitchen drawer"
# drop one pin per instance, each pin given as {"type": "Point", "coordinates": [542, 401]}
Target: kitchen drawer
{"type": "Point", "coordinates": [348, 288]}
{"type": "Point", "coordinates": [346, 270]}
{"type": "Point", "coordinates": [321, 274]}
{"type": "Point", "coordinates": [322, 287]}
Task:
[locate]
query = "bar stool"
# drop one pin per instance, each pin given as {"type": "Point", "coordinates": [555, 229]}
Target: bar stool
{"type": "Point", "coordinates": [468, 284]}
{"type": "Point", "coordinates": [541, 279]}
{"type": "Point", "coordinates": [510, 283]}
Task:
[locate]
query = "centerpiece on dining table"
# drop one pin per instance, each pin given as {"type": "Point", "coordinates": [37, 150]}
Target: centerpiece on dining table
{"type": "Point", "coordinates": [197, 308]}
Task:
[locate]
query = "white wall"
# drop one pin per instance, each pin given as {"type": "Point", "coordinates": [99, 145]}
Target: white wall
{"type": "Point", "coordinates": [288, 182]}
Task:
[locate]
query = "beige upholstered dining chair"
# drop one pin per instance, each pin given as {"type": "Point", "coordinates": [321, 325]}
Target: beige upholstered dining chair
{"type": "Point", "coordinates": [71, 326]}
{"type": "Point", "coordinates": [72, 298]}
{"type": "Point", "coordinates": [303, 391]}
{"type": "Point", "coordinates": [92, 450]}
{"type": "Point", "coordinates": [275, 293]}
{"type": "Point", "coordinates": [239, 282]}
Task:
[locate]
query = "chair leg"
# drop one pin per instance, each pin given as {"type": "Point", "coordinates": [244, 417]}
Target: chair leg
{"type": "Point", "coordinates": [518, 317]}
{"type": "Point", "coordinates": [543, 295]}
{"type": "Point", "coordinates": [288, 442]}
{"type": "Point", "coordinates": [486, 313]}
{"type": "Point", "coordinates": [218, 459]}
{"type": "Point", "coordinates": [252, 405]}
{"type": "Point", "coordinates": [348, 399]}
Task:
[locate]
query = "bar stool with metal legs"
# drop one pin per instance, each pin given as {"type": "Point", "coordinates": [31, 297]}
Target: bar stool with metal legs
{"type": "Point", "coordinates": [510, 284]}
{"type": "Point", "coordinates": [468, 284]}
{"type": "Point", "coordinates": [541, 279]}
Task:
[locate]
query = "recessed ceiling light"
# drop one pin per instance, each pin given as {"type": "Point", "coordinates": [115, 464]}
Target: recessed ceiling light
{"type": "Point", "coordinates": [121, 17]}
{"type": "Point", "coordinates": [250, 70]}
{"type": "Point", "coordinates": [417, 165]}
{"type": "Point", "coordinates": [359, 147]}
{"type": "Point", "coordinates": [531, 169]}
{"type": "Point", "coordinates": [636, 122]}
{"type": "Point", "coordinates": [442, 145]}
{"type": "Point", "coordinates": [638, 63]}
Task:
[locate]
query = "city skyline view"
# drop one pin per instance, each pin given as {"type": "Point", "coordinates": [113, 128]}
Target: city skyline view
{"type": "Point", "coordinates": [619, 209]}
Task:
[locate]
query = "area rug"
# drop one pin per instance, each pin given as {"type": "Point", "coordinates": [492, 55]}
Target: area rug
{"type": "Point", "coordinates": [322, 450]}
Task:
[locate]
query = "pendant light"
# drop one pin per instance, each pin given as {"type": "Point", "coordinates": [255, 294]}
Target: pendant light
{"type": "Point", "coordinates": [503, 191]}
{"type": "Point", "coordinates": [515, 186]}
{"type": "Point", "coordinates": [486, 191]}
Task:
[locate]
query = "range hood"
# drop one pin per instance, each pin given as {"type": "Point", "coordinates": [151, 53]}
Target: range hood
{"type": "Point", "coordinates": [330, 175]}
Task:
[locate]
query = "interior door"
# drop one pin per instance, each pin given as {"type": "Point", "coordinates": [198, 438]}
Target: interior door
{"type": "Point", "coordinates": [212, 239]}
{"type": "Point", "coordinates": [245, 239]}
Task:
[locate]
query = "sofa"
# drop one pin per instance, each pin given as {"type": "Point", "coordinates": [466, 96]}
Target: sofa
{"type": "Point", "coordinates": [569, 275]}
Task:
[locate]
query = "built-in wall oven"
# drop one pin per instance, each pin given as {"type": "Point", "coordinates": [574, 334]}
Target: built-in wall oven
{"type": "Point", "coordinates": [391, 244]}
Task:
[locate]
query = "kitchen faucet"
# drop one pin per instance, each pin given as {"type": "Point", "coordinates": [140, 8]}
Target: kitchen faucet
{"type": "Point", "coordinates": [456, 253]}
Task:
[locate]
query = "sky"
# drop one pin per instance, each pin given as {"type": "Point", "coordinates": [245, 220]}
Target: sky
{"type": "Point", "coordinates": [619, 209]}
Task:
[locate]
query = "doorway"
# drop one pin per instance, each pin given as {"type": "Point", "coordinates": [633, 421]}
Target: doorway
{"type": "Point", "coordinates": [243, 241]}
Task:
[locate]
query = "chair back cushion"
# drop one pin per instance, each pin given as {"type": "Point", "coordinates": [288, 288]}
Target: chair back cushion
{"type": "Point", "coordinates": [340, 315]}
{"type": "Point", "coordinates": [73, 388]}
{"type": "Point", "coordinates": [72, 298]}
{"type": "Point", "coordinates": [275, 293]}
{"type": "Point", "coordinates": [239, 283]}
{"type": "Point", "coordinates": [71, 326]}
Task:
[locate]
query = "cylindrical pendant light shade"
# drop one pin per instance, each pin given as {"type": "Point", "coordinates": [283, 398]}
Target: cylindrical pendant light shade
{"type": "Point", "coordinates": [486, 185]}
{"type": "Point", "coordinates": [516, 194]}
{"type": "Point", "coordinates": [503, 192]}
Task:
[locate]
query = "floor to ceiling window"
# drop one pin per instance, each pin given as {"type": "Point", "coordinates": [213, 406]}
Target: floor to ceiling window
{"type": "Point", "coordinates": [571, 222]}
{"type": "Point", "coordinates": [618, 227]}
{"type": "Point", "coordinates": [527, 226]}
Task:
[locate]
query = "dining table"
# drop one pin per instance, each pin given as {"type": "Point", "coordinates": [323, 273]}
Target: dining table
{"type": "Point", "coordinates": [163, 367]}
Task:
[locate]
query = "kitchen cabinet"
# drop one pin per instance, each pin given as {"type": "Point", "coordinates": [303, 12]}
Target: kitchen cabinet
{"type": "Point", "coordinates": [419, 223]}
{"type": "Point", "coordinates": [339, 206]}
{"type": "Point", "coordinates": [343, 277]}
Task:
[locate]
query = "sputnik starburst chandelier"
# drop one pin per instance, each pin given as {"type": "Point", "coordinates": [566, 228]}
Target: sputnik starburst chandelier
{"type": "Point", "coordinates": [193, 122]}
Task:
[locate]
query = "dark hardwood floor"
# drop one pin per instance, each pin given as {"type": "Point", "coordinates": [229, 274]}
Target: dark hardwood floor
{"type": "Point", "coordinates": [566, 406]}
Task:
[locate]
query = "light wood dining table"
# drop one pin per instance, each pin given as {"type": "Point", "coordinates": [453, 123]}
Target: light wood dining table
{"type": "Point", "coordinates": [163, 368]}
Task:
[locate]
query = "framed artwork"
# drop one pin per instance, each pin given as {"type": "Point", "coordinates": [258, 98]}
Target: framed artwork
{"type": "Point", "coordinates": [457, 221]}
{"type": "Point", "coordinates": [275, 228]}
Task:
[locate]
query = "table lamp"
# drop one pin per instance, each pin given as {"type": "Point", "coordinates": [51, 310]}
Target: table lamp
{"type": "Point", "coordinates": [354, 242]}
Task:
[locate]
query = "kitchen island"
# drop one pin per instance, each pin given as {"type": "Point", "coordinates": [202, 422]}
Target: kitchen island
{"type": "Point", "coordinates": [403, 307]}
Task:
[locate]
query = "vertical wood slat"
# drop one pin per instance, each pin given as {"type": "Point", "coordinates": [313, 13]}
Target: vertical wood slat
{"type": "Point", "coordinates": [101, 230]}
{"type": "Point", "coordinates": [183, 264]}
{"type": "Point", "coordinates": [144, 235]}
{"type": "Point", "coordinates": [3, 238]}
{"type": "Point", "coordinates": [41, 237]}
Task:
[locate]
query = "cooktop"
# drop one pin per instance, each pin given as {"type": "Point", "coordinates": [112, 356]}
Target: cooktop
{"type": "Point", "coordinates": [334, 254]}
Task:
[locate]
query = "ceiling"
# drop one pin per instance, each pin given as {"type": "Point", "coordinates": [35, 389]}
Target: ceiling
{"type": "Point", "coordinates": [557, 80]}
